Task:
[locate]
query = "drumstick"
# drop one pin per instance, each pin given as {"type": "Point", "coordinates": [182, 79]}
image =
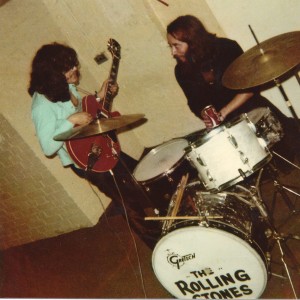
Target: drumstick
{"type": "Point", "coordinates": [180, 194]}
{"type": "Point", "coordinates": [182, 218]}
{"type": "Point", "coordinates": [180, 190]}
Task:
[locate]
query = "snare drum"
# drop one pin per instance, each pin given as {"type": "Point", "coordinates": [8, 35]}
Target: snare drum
{"type": "Point", "coordinates": [221, 257]}
{"type": "Point", "coordinates": [268, 126]}
{"type": "Point", "coordinates": [160, 171]}
{"type": "Point", "coordinates": [228, 154]}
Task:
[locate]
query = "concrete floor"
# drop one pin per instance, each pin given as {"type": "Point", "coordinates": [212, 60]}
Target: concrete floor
{"type": "Point", "coordinates": [108, 261]}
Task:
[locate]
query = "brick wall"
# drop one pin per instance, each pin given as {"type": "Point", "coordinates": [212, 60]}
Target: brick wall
{"type": "Point", "coordinates": [33, 204]}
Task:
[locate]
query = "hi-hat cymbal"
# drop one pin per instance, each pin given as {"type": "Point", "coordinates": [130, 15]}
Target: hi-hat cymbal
{"type": "Point", "coordinates": [265, 62]}
{"type": "Point", "coordinates": [98, 126]}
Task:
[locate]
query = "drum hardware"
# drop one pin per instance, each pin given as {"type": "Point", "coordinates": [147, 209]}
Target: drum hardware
{"type": "Point", "coordinates": [268, 127]}
{"type": "Point", "coordinates": [275, 235]}
{"type": "Point", "coordinates": [286, 160]}
{"type": "Point", "coordinates": [265, 63]}
{"type": "Point", "coordinates": [281, 189]}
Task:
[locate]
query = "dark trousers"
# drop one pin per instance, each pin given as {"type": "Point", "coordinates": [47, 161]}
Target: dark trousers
{"type": "Point", "coordinates": [137, 205]}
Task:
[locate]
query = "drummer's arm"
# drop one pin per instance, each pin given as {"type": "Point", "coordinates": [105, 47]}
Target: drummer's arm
{"type": "Point", "coordinates": [234, 104]}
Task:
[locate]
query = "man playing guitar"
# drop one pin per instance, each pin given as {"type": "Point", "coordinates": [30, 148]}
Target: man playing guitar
{"type": "Point", "coordinates": [57, 107]}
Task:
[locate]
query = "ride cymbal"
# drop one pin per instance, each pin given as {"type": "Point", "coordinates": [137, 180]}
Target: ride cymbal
{"type": "Point", "coordinates": [98, 126]}
{"type": "Point", "coordinates": [265, 62]}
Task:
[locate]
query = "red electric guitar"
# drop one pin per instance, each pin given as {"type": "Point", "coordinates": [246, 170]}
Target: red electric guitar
{"type": "Point", "coordinates": [99, 153]}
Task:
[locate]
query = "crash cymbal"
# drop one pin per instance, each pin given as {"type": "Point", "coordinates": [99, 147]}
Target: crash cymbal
{"type": "Point", "coordinates": [98, 126]}
{"type": "Point", "coordinates": [265, 62]}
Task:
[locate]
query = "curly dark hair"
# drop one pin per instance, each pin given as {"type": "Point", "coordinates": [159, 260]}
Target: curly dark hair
{"type": "Point", "coordinates": [190, 30]}
{"type": "Point", "coordinates": [48, 67]}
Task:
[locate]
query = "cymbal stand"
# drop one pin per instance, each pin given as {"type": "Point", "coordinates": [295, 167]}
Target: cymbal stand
{"type": "Point", "coordinates": [280, 239]}
{"type": "Point", "coordinates": [278, 84]}
{"type": "Point", "coordinates": [282, 190]}
{"type": "Point", "coordinates": [252, 197]}
{"type": "Point", "coordinates": [288, 102]}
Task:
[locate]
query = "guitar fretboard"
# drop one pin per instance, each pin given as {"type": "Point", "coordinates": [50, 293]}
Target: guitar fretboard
{"type": "Point", "coordinates": [108, 99]}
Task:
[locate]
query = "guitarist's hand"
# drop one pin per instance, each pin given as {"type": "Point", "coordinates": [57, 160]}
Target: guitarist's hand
{"type": "Point", "coordinates": [81, 118]}
{"type": "Point", "coordinates": [108, 86]}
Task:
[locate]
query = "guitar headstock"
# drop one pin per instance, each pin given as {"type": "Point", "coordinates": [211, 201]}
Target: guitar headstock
{"type": "Point", "coordinates": [114, 48]}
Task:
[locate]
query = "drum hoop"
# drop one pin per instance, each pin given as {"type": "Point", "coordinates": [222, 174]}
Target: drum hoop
{"type": "Point", "coordinates": [163, 174]}
{"type": "Point", "coordinates": [205, 138]}
{"type": "Point", "coordinates": [153, 152]}
{"type": "Point", "coordinates": [201, 141]}
{"type": "Point", "coordinates": [240, 178]}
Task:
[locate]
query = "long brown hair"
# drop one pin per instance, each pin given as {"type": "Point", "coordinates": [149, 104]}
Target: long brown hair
{"type": "Point", "coordinates": [190, 30]}
{"type": "Point", "coordinates": [47, 74]}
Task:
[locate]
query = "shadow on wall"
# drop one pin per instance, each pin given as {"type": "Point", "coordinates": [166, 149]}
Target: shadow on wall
{"type": "Point", "coordinates": [2, 2]}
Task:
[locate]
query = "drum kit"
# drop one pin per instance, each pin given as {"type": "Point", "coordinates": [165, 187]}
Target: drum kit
{"type": "Point", "coordinates": [216, 229]}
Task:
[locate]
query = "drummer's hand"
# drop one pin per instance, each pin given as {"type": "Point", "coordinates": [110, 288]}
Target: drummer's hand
{"type": "Point", "coordinates": [223, 113]}
{"type": "Point", "coordinates": [80, 118]}
{"type": "Point", "coordinates": [108, 86]}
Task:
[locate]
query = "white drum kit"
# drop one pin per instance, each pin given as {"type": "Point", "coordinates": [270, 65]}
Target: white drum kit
{"type": "Point", "coordinates": [216, 229]}
{"type": "Point", "coordinates": [213, 213]}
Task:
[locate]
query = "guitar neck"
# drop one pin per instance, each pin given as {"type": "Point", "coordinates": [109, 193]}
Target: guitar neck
{"type": "Point", "coordinates": [108, 98]}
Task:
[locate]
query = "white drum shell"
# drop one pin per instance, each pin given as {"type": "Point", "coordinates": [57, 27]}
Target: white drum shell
{"type": "Point", "coordinates": [228, 154]}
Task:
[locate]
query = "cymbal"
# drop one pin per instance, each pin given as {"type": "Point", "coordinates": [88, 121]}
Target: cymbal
{"type": "Point", "coordinates": [265, 62]}
{"type": "Point", "coordinates": [98, 126]}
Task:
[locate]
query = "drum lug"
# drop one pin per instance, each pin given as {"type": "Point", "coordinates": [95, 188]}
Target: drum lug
{"type": "Point", "coordinates": [210, 178]}
{"type": "Point", "coordinates": [170, 179]}
{"type": "Point", "coordinates": [243, 158]}
{"type": "Point", "coordinates": [200, 161]}
{"type": "Point", "coordinates": [233, 141]}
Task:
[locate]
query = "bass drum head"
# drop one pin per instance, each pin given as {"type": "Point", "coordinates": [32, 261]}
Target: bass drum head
{"type": "Point", "coordinates": [200, 262]}
{"type": "Point", "coordinates": [160, 160]}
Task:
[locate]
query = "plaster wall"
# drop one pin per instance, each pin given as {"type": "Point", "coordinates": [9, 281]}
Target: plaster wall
{"type": "Point", "coordinates": [146, 79]}
{"type": "Point", "coordinates": [268, 19]}
{"type": "Point", "coordinates": [146, 84]}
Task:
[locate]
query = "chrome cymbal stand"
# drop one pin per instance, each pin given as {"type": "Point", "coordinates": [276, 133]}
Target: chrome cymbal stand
{"type": "Point", "coordinates": [251, 195]}
{"type": "Point", "coordinates": [273, 233]}
{"type": "Point", "coordinates": [280, 188]}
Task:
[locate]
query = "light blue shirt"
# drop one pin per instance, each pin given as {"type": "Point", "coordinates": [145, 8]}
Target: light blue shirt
{"type": "Point", "coordinates": [50, 119]}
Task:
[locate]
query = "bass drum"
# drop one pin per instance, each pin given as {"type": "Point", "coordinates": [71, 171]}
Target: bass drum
{"type": "Point", "coordinates": [160, 171]}
{"type": "Point", "coordinates": [220, 255]}
{"type": "Point", "coordinates": [267, 125]}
